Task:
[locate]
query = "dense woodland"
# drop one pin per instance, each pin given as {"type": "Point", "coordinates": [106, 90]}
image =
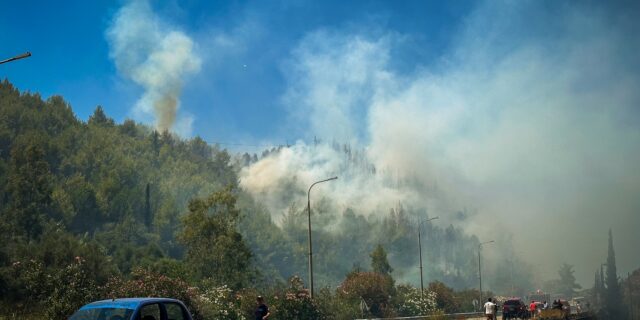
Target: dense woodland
{"type": "Point", "coordinates": [88, 206]}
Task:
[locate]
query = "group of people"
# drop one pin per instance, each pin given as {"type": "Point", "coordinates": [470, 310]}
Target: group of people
{"type": "Point", "coordinates": [491, 308]}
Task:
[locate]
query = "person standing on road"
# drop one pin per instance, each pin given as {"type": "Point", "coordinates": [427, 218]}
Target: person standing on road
{"type": "Point", "coordinates": [488, 309]}
{"type": "Point", "coordinates": [262, 310]}
{"type": "Point", "coordinates": [495, 310]}
{"type": "Point", "coordinates": [532, 308]}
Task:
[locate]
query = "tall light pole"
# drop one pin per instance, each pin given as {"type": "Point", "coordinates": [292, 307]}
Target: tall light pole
{"type": "Point", "coordinates": [630, 296]}
{"type": "Point", "coordinates": [21, 56]}
{"type": "Point", "coordinates": [420, 249]}
{"type": "Point", "coordinates": [480, 268]}
{"type": "Point", "coordinates": [310, 250]}
{"type": "Point", "coordinates": [599, 296]}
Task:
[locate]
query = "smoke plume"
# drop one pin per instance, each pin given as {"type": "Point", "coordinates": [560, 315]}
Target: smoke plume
{"type": "Point", "coordinates": [155, 56]}
{"type": "Point", "coordinates": [529, 119]}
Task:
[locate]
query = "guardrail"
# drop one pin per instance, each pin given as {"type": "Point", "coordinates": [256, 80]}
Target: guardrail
{"type": "Point", "coordinates": [473, 315]}
{"type": "Point", "coordinates": [457, 316]}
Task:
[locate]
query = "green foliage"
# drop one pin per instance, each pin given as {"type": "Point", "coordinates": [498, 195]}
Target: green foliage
{"type": "Point", "coordinates": [375, 289]}
{"type": "Point", "coordinates": [567, 283]}
{"type": "Point", "coordinates": [122, 197]}
{"type": "Point", "coordinates": [295, 303]}
{"type": "Point", "coordinates": [28, 188]}
{"type": "Point", "coordinates": [144, 283]}
{"type": "Point", "coordinates": [219, 303]}
{"type": "Point", "coordinates": [379, 262]}
{"type": "Point", "coordinates": [409, 301]}
{"type": "Point", "coordinates": [215, 249]}
{"type": "Point", "coordinates": [71, 288]}
{"type": "Point", "coordinates": [445, 297]}
{"type": "Point", "coordinates": [614, 305]}
{"type": "Point", "coordinates": [464, 299]}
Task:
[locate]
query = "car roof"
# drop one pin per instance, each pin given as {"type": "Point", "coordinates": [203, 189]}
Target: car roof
{"type": "Point", "coordinates": [125, 303]}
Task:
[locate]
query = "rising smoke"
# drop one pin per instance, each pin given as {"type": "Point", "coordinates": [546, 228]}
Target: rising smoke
{"type": "Point", "coordinates": [155, 56]}
{"type": "Point", "coordinates": [530, 118]}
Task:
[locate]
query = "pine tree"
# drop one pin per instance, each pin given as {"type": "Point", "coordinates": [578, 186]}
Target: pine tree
{"type": "Point", "coordinates": [567, 282]}
{"type": "Point", "coordinates": [100, 118]}
{"type": "Point", "coordinates": [147, 206]}
{"type": "Point", "coordinates": [214, 246]}
{"type": "Point", "coordinates": [379, 262]}
{"type": "Point", "coordinates": [29, 189]}
{"type": "Point", "coordinates": [613, 296]}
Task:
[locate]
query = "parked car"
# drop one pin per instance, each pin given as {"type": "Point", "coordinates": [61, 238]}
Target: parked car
{"type": "Point", "coordinates": [133, 309]}
{"type": "Point", "coordinates": [514, 308]}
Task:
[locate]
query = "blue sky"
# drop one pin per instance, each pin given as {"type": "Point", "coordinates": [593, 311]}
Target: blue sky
{"type": "Point", "coordinates": [228, 101]}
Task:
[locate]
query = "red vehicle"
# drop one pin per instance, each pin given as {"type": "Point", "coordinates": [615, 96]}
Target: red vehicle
{"type": "Point", "coordinates": [514, 308]}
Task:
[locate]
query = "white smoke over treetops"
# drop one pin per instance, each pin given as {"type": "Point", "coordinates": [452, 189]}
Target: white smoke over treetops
{"type": "Point", "coordinates": [530, 118]}
{"type": "Point", "coordinates": [155, 56]}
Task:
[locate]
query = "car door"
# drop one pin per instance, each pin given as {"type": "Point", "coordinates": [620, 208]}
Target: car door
{"type": "Point", "coordinates": [150, 312]}
{"type": "Point", "coordinates": [175, 311]}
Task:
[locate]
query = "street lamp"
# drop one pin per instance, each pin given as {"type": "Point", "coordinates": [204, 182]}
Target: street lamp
{"type": "Point", "coordinates": [479, 266]}
{"type": "Point", "coordinates": [22, 56]}
{"type": "Point", "coordinates": [599, 296]}
{"type": "Point", "coordinates": [420, 249]}
{"type": "Point", "coordinates": [310, 250]}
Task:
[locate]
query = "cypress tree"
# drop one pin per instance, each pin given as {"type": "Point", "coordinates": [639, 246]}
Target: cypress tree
{"type": "Point", "coordinates": [613, 295]}
{"type": "Point", "coordinates": [603, 288]}
{"type": "Point", "coordinates": [379, 262]}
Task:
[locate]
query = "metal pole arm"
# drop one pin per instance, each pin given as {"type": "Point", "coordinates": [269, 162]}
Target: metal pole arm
{"type": "Point", "coordinates": [22, 56]}
{"type": "Point", "coordinates": [310, 245]}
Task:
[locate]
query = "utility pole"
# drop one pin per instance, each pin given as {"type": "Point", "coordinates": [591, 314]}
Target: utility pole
{"type": "Point", "coordinates": [630, 296]}
{"type": "Point", "coordinates": [512, 289]}
{"type": "Point", "coordinates": [420, 249]}
{"type": "Point", "coordinates": [480, 268]}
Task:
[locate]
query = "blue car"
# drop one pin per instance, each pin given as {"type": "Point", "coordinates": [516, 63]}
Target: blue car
{"type": "Point", "coordinates": [133, 309]}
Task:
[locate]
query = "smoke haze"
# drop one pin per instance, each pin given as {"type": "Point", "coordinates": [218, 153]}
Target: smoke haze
{"type": "Point", "coordinates": [530, 119]}
{"type": "Point", "coordinates": [155, 56]}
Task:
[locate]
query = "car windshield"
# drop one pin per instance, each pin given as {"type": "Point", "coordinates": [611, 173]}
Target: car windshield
{"type": "Point", "coordinates": [511, 302]}
{"type": "Point", "coordinates": [102, 314]}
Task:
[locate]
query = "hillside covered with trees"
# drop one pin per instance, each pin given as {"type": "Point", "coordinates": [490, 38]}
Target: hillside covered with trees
{"type": "Point", "coordinates": [98, 203]}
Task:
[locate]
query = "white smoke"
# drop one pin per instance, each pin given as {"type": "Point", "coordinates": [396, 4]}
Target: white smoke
{"type": "Point", "coordinates": [536, 134]}
{"type": "Point", "coordinates": [155, 56]}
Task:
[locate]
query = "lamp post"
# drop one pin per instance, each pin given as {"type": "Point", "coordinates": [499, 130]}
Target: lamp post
{"type": "Point", "coordinates": [310, 250]}
{"type": "Point", "coordinates": [599, 296]}
{"type": "Point", "coordinates": [479, 266]}
{"type": "Point", "coordinates": [420, 249]}
{"type": "Point", "coordinates": [21, 56]}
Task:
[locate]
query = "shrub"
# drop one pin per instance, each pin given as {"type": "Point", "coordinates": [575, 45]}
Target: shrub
{"type": "Point", "coordinates": [219, 303]}
{"type": "Point", "coordinates": [71, 288]}
{"type": "Point", "coordinates": [409, 302]}
{"type": "Point", "coordinates": [145, 283]}
{"type": "Point", "coordinates": [295, 303]}
{"type": "Point", "coordinates": [445, 297]}
{"type": "Point", "coordinates": [374, 288]}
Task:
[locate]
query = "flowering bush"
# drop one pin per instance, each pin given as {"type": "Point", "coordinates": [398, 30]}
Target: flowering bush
{"type": "Point", "coordinates": [145, 283]}
{"type": "Point", "coordinates": [409, 301]}
{"type": "Point", "coordinates": [295, 303]}
{"type": "Point", "coordinates": [219, 303]}
{"type": "Point", "coordinates": [71, 288]}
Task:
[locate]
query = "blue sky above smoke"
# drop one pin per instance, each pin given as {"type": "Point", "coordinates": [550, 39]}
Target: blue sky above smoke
{"type": "Point", "coordinates": [245, 48]}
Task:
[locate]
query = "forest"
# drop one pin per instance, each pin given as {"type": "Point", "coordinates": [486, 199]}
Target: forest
{"type": "Point", "coordinates": [89, 209]}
